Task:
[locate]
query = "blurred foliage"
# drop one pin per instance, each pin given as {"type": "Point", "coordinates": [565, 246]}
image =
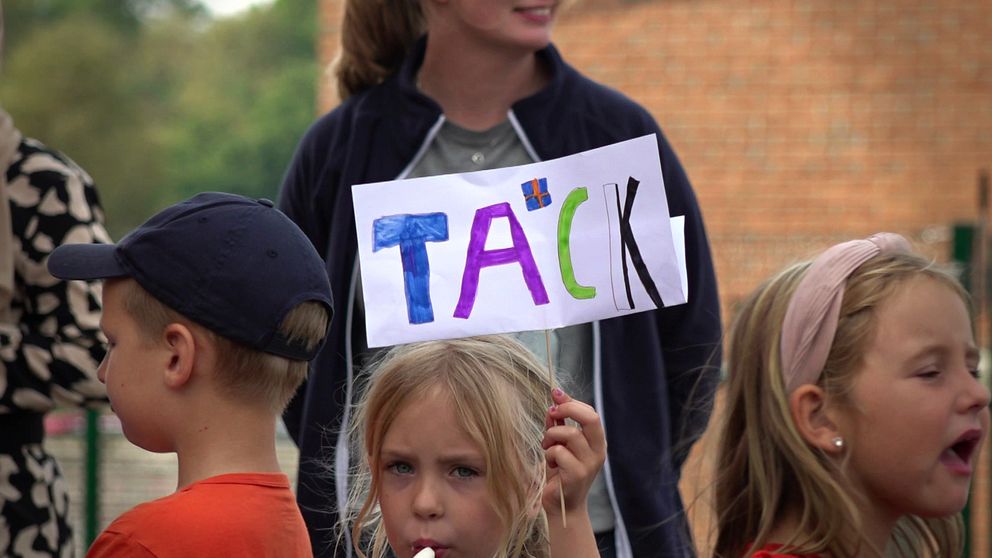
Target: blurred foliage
{"type": "Point", "coordinates": [127, 16]}
{"type": "Point", "coordinates": [156, 100]}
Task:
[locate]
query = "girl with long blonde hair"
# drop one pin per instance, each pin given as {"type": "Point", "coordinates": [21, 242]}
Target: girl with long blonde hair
{"type": "Point", "coordinates": [854, 414]}
{"type": "Point", "coordinates": [461, 454]}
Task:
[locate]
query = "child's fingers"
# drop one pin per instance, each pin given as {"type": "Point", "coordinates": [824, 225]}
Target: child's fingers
{"type": "Point", "coordinates": [578, 446]}
{"type": "Point", "coordinates": [549, 421]}
{"type": "Point", "coordinates": [562, 399]}
{"type": "Point", "coordinates": [588, 420]}
{"type": "Point", "coordinates": [572, 476]}
{"type": "Point", "coordinates": [571, 465]}
{"type": "Point", "coordinates": [574, 451]}
{"type": "Point", "coordinates": [559, 396]}
{"type": "Point", "coordinates": [574, 441]}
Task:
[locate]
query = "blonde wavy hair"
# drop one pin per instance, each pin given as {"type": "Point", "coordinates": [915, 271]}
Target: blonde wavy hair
{"type": "Point", "coordinates": [501, 395]}
{"type": "Point", "coordinates": [766, 467]}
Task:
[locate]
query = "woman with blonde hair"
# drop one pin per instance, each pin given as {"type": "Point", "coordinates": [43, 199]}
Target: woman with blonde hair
{"type": "Point", "coordinates": [433, 87]}
{"type": "Point", "coordinates": [854, 414]}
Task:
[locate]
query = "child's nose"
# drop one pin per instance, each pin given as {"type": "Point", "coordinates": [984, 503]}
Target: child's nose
{"type": "Point", "coordinates": [427, 499]}
{"type": "Point", "coordinates": [978, 395]}
{"type": "Point", "coordinates": [984, 395]}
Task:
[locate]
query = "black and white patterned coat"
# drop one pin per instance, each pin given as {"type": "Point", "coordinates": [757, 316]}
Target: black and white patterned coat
{"type": "Point", "coordinates": [51, 347]}
{"type": "Point", "coordinates": [50, 343]}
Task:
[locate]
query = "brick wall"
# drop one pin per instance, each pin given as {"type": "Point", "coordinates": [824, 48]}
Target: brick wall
{"type": "Point", "coordinates": [804, 122]}
{"type": "Point", "coordinates": [800, 122]}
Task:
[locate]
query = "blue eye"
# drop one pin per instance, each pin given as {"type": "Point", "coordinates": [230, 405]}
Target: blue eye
{"type": "Point", "coordinates": [400, 468]}
{"type": "Point", "coordinates": [464, 472]}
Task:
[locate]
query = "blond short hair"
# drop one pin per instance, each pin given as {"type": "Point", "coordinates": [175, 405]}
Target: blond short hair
{"type": "Point", "coordinates": [501, 395]}
{"type": "Point", "coordinates": [243, 373]}
{"type": "Point", "coordinates": [766, 467]}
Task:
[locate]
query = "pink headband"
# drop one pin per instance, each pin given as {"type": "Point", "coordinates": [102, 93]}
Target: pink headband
{"type": "Point", "coordinates": [811, 319]}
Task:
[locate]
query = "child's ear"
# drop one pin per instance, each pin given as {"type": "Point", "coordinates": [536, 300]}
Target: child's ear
{"type": "Point", "coordinates": [813, 419]}
{"type": "Point", "coordinates": [181, 345]}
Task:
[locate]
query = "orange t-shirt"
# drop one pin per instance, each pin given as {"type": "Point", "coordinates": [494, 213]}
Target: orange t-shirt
{"type": "Point", "coordinates": [241, 514]}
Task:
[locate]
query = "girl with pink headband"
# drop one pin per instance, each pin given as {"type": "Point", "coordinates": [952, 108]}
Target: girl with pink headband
{"type": "Point", "coordinates": [854, 413]}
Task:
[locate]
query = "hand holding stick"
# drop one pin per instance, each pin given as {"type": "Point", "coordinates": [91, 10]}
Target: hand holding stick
{"type": "Point", "coordinates": [575, 454]}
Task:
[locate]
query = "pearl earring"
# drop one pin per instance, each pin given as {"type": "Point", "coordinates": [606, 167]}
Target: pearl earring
{"type": "Point", "coordinates": [838, 442]}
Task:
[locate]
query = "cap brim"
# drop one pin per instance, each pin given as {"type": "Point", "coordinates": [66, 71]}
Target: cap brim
{"type": "Point", "coordinates": [85, 261]}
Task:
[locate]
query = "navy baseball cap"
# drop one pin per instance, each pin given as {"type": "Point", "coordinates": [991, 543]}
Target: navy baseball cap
{"type": "Point", "coordinates": [232, 264]}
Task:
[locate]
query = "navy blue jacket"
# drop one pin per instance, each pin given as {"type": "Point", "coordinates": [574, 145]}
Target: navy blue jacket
{"type": "Point", "coordinates": [655, 372]}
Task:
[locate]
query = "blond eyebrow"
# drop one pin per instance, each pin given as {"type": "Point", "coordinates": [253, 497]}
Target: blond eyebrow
{"type": "Point", "coordinates": [464, 458]}
{"type": "Point", "coordinates": [393, 453]}
{"type": "Point", "coordinates": [467, 458]}
{"type": "Point", "coordinates": [939, 349]}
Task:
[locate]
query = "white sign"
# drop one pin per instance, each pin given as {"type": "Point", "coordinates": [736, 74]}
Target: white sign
{"type": "Point", "coordinates": [537, 246]}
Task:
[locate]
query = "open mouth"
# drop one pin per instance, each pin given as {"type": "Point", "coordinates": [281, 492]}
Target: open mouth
{"type": "Point", "coordinates": [958, 456]}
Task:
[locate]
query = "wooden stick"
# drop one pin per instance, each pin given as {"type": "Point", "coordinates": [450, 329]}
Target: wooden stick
{"type": "Point", "coordinates": [551, 379]}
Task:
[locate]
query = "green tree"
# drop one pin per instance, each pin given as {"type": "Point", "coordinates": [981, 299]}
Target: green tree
{"type": "Point", "coordinates": [71, 85]}
{"type": "Point", "coordinates": [157, 101]}
{"type": "Point", "coordinates": [128, 16]}
{"type": "Point", "coordinates": [248, 94]}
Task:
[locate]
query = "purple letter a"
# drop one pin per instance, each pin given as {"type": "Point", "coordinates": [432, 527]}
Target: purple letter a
{"type": "Point", "coordinates": [478, 257]}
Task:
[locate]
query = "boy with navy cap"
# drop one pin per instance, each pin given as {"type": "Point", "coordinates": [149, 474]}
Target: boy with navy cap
{"type": "Point", "coordinates": [212, 310]}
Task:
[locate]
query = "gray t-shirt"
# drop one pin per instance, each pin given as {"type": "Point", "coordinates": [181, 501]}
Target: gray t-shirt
{"type": "Point", "coordinates": [456, 149]}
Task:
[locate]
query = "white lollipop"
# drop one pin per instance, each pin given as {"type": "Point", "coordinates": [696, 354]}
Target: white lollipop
{"type": "Point", "coordinates": [427, 552]}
